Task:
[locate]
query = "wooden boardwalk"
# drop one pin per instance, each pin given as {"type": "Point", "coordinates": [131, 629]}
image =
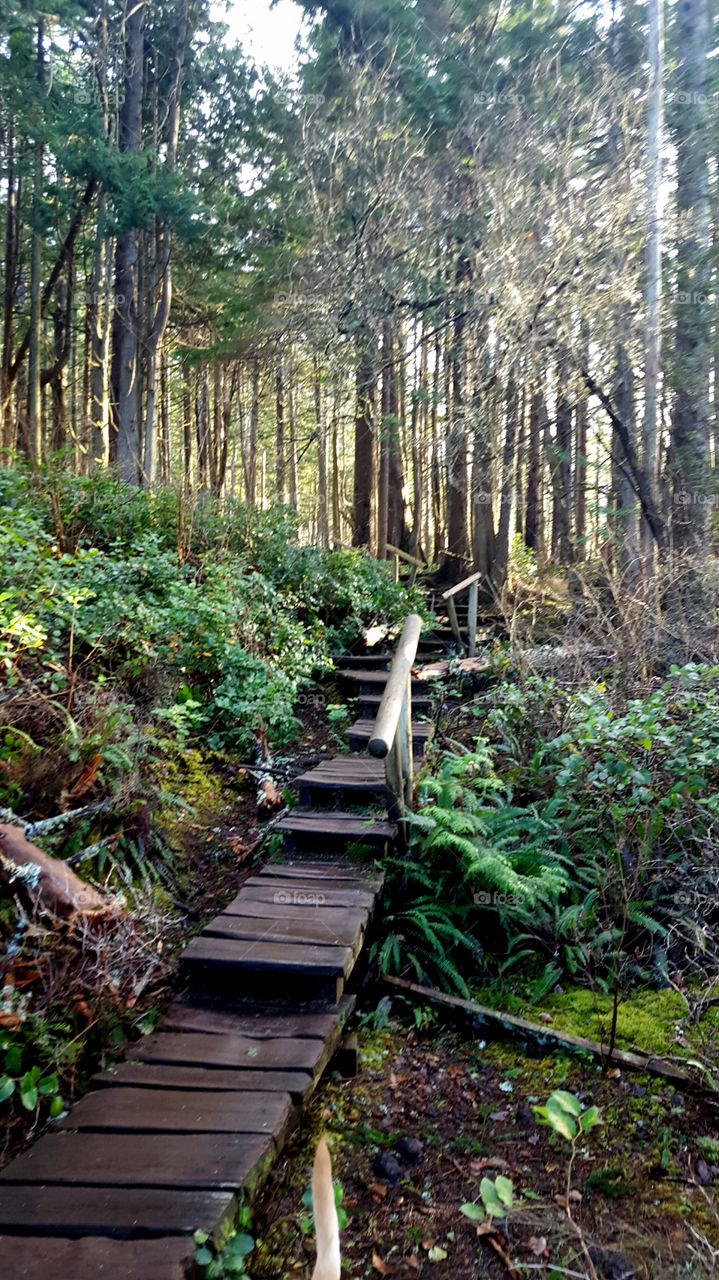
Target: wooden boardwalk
{"type": "Point", "coordinates": [166, 1143]}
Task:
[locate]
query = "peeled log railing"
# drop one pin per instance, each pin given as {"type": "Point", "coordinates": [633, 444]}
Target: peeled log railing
{"type": "Point", "coordinates": [471, 585]}
{"type": "Point", "coordinates": [391, 738]}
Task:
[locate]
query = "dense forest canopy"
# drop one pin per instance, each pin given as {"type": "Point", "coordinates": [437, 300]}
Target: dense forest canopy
{"type": "Point", "coordinates": [448, 283]}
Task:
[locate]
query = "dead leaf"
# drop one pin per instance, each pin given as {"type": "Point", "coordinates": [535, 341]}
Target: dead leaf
{"type": "Point", "coordinates": [379, 1265]}
{"type": "Point", "coordinates": [378, 1189]}
{"type": "Point", "coordinates": [492, 1162]}
{"type": "Point", "coordinates": [10, 1021]}
{"type": "Point", "coordinates": [86, 779]}
{"type": "Point", "coordinates": [538, 1246]}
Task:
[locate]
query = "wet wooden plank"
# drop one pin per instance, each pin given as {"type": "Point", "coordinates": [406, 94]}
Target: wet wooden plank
{"type": "Point", "coordinates": [252, 908]}
{"type": "Point", "coordinates": [232, 1051]}
{"type": "Point", "coordinates": [219, 1017]}
{"type": "Point", "coordinates": [269, 957]}
{"type": "Point", "coordinates": [120, 1212]}
{"type": "Point", "coordinates": [279, 893]}
{"type": "Point", "coordinates": [370, 878]}
{"type": "Point", "coordinates": [160, 1075]}
{"type": "Point", "coordinates": [197, 1160]}
{"type": "Point", "coordinates": [305, 891]}
{"type": "Point", "coordinates": [299, 930]}
{"type": "Point", "coordinates": [125, 1110]}
{"type": "Point", "coordinates": [96, 1259]}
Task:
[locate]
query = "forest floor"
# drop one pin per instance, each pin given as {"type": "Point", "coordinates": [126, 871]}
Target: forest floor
{"type": "Point", "coordinates": [641, 1184]}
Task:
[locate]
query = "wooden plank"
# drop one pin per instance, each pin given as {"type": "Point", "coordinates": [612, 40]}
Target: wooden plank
{"type": "Point", "coordinates": [370, 878]}
{"type": "Point", "coordinates": [160, 1075]}
{"type": "Point", "coordinates": [266, 956]}
{"type": "Point", "coordinates": [254, 908]}
{"type": "Point", "coordinates": [466, 582]}
{"type": "Point", "coordinates": [219, 1018]}
{"type": "Point", "coordinates": [123, 1213]}
{"type": "Point", "coordinates": [346, 826]}
{"type": "Point", "coordinates": [308, 928]}
{"type": "Point", "coordinates": [279, 893]}
{"type": "Point", "coordinates": [233, 1051]}
{"type": "Point", "coordinates": [193, 1160]}
{"type": "Point", "coordinates": [544, 1037]}
{"type": "Point", "coordinates": [96, 1259]}
{"type": "Point", "coordinates": [125, 1110]}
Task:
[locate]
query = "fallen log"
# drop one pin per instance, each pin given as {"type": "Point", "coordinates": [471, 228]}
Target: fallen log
{"type": "Point", "coordinates": [44, 882]}
{"type": "Point", "coordinates": [546, 1039]}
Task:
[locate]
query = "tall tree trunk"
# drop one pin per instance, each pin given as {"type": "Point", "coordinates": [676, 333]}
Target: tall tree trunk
{"type": "Point", "coordinates": [533, 517]}
{"type": "Point", "coordinates": [581, 426]}
{"type": "Point", "coordinates": [251, 459]}
{"type": "Point", "coordinates": [323, 522]}
{"type": "Point", "coordinates": [653, 292]}
{"type": "Point", "coordinates": [562, 465]}
{"type": "Point", "coordinates": [125, 404]}
{"type": "Point", "coordinates": [690, 419]}
{"type": "Point", "coordinates": [625, 502]}
{"type": "Point", "coordinates": [363, 441]}
{"type": "Point", "coordinates": [163, 277]}
{"type": "Point", "coordinates": [280, 482]}
{"type": "Point", "coordinates": [505, 493]}
{"type": "Point", "coordinates": [455, 562]}
{"type": "Point", "coordinates": [34, 399]}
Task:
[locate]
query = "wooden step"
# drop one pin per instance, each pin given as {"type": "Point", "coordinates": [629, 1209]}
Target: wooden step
{"type": "Point", "coordinates": [370, 681]}
{"type": "Point", "coordinates": [369, 703]}
{"type": "Point", "coordinates": [288, 934]}
{"type": "Point", "coordinates": [359, 734]}
{"type": "Point", "coordinates": [38, 1258]}
{"type": "Point", "coordinates": [314, 830]}
{"type": "Point", "coordinates": [350, 661]}
{"type": "Point", "coordinates": [343, 780]}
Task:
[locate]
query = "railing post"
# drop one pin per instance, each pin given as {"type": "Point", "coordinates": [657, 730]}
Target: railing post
{"type": "Point", "coordinates": [404, 732]}
{"type": "Point", "coordinates": [472, 609]}
{"type": "Point", "coordinates": [391, 738]}
{"type": "Point", "coordinates": [454, 623]}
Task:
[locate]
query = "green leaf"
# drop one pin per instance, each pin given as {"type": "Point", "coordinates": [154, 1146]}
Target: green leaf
{"type": "Point", "coordinates": [560, 1121]}
{"type": "Point", "coordinates": [7, 1088]}
{"type": "Point", "coordinates": [50, 1084]}
{"type": "Point", "coordinates": [472, 1211]}
{"type": "Point", "coordinates": [590, 1119]}
{"type": "Point", "coordinates": [567, 1102]}
{"type": "Point", "coordinates": [437, 1253]}
{"type": "Point", "coordinates": [504, 1190]}
{"type": "Point", "coordinates": [240, 1246]}
{"type": "Point", "coordinates": [490, 1199]}
{"type": "Point", "coordinates": [200, 1237]}
{"type": "Point", "coordinates": [57, 1106]}
{"type": "Point", "coordinates": [203, 1257]}
{"type": "Point", "coordinates": [28, 1097]}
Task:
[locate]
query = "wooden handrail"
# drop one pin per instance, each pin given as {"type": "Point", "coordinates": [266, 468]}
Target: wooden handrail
{"type": "Point", "coordinates": [395, 693]}
{"type": "Point", "coordinates": [404, 555]}
{"type": "Point", "coordinates": [391, 738]}
{"type": "Point", "coordinates": [466, 582]}
{"type": "Point", "coordinates": [470, 584]}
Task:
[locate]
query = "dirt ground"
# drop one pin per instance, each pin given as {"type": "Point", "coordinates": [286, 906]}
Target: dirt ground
{"type": "Point", "coordinates": [429, 1115]}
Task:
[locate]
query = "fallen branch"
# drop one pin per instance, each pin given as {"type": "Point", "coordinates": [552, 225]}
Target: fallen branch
{"type": "Point", "coordinates": [44, 882]}
{"type": "Point", "coordinates": [547, 1039]}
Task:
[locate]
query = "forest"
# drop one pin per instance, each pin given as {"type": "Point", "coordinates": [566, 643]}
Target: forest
{"type": "Point", "coordinates": [423, 324]}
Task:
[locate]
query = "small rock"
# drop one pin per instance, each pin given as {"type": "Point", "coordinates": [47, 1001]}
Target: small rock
{"type": "Point", "coordinates": [703, 1173]}
{"type": "Point", "coordinates": [611, 1265]}
{"type": "Point", "coordinates": [387, 1168]}
{"type": "Point", "coordinates": [409, 1149]}
{"type": "Point", "coordinates": [638, 1091]}
{"type": "Point", "coordinates": [525, 1117]}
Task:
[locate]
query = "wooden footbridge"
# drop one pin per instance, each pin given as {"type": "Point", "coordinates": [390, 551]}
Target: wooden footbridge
{"type": "Point", "coordinates": [168, 1142]}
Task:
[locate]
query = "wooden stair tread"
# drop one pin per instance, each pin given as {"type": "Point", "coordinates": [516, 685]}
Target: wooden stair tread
{"type": "Point", "coordinates": [169, 1075]}
{"type": "Point", "coordinates": [126, 1213]}
{"type": "Point", "coordinates": [322, 821]}
{"type": "Point", "coordinates": [369, 676]}
{"type": "Point", "coordinates": [231, 1050]}
{"type": "Point", "coordinates": [364, 727]}
{"type": "Point", "coordinates": [192, 1160]}
{"type": "Point", "coordinates": [357, 773]}
{"type": "Point", "coordinates": [126, 1110]}
{"type": "Point", "coordinates": [95, 1258]}
{"type": "Point", "coordinates": [256, 956]}
{"type": "Point", "coordinates": [219, 1017]}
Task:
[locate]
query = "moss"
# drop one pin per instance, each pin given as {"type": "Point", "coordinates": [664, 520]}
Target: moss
{"type": "Point", "coordinates": [188, 782]}
{"type": "Point", "coordinates": [646, 1021]}
{"type": "Point", "coordinates": [609, 1183]}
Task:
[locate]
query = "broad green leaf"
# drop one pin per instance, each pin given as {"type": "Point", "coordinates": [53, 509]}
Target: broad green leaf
{"type": "Point", "coordinates": [473, 1212]}
{"type": "Point", "coordinates": [567, 1102]}
{"type": "Point", "coordinates": [589, 1119]}
{"type": "Point", "coordinates": [7, 1088]}
{"type": "Point", "coordinates": [561, 1121]}
{"type": "Point", "coordinates": [504, 1190]}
